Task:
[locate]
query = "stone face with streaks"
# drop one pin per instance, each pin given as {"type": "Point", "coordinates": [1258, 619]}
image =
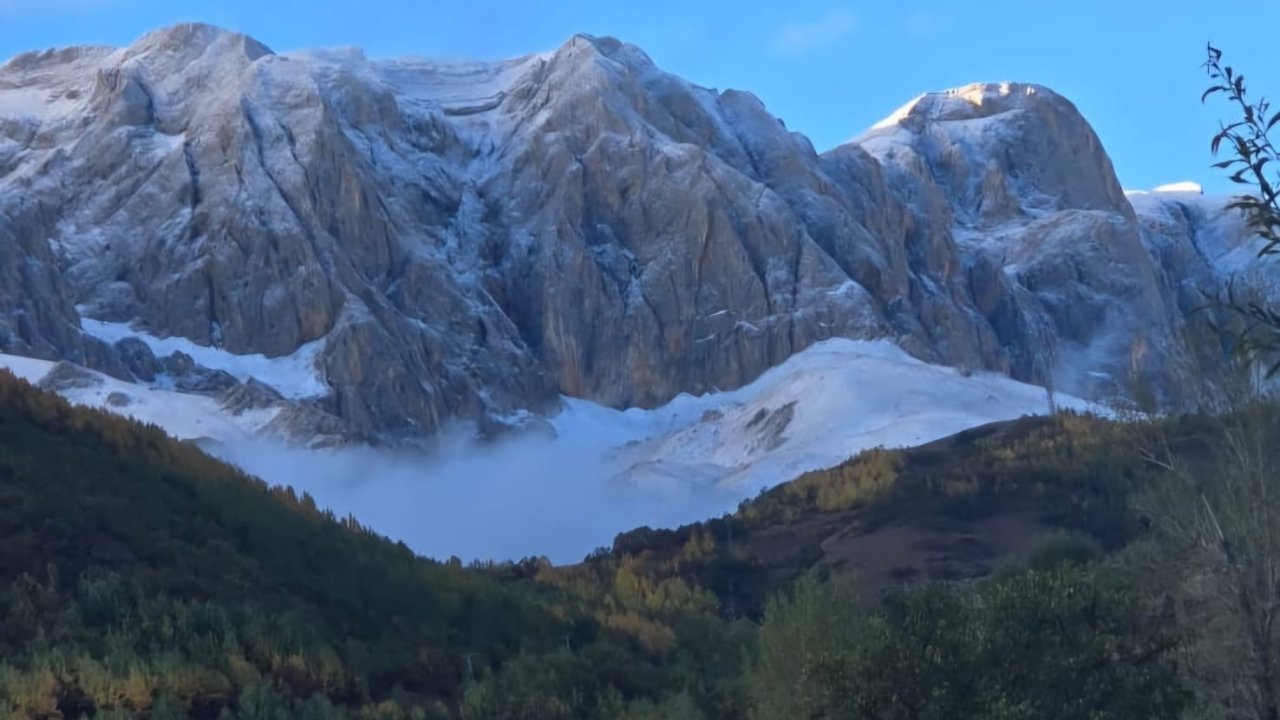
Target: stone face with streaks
{"type": "Point", "coordinates": [470, 240]}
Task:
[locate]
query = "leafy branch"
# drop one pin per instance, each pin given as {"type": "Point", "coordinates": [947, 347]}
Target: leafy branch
{"type": "Point", "coordinates": [1249, 140]}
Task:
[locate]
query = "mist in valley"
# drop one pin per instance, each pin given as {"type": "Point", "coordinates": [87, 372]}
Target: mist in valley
{"type": "Point", "coordinates": [514, 498]}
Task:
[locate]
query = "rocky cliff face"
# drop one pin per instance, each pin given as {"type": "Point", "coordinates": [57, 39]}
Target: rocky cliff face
{"type": "Point", "coordinates": [469, 240]}
{"type": "Point", "coordinates": [1020, 183]}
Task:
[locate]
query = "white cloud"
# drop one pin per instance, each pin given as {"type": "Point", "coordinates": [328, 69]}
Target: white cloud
{"type": "Point", "coordinates": [799, 37]}
{"type": "Point", "coordinates": [1184, 186]}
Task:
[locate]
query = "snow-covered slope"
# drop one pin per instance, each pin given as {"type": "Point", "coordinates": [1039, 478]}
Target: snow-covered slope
{"type": "Point", "coordinates": [607, 470]}
{"type": "Point", "coordinates": [185, 416]}
{"type": "Point", "coordinates": [1202, 247]}
{"type": "Point", "coordinates": [294, 376]}
{"type": "Point", "coordinates": [814, 411]}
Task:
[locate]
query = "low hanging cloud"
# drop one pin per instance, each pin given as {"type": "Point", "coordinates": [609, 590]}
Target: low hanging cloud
{"type": "Point", "coordinates": [516, 498]}
{"type": "Point", "coordinates": [806, 36]}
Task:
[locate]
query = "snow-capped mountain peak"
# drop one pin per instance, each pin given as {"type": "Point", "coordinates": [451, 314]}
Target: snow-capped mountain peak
{"type": "Point", "coordinates": [969, 102]}
{"type": "Point", "coordinates": [447, 239]}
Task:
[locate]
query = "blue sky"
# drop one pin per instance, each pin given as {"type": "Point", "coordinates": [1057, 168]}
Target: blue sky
{"type": "Point", "coordinates": [829, 69]}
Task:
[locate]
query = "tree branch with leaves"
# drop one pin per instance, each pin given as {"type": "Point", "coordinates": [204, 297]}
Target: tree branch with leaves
{"type": "Point", "coordinates": [1249, 140]}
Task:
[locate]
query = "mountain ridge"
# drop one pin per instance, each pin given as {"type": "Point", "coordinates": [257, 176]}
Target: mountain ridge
{"type": "Point", "coordinates": [472, 239]}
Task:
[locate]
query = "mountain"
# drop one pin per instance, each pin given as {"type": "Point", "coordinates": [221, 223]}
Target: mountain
{"type": "Point", "coordinates": [389, 245]}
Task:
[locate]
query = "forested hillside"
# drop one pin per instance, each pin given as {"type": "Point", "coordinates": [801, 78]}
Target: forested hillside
{"type": "Point", "coordinates": [140, 578]}
{"type": "Point", "coordinates": [137, 575]}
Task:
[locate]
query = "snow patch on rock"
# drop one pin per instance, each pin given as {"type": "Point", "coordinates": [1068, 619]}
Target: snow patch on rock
{"type": "Point", "coordinates": [185, 416]}
{"type": "Point", "coordinates": [294, 376]}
